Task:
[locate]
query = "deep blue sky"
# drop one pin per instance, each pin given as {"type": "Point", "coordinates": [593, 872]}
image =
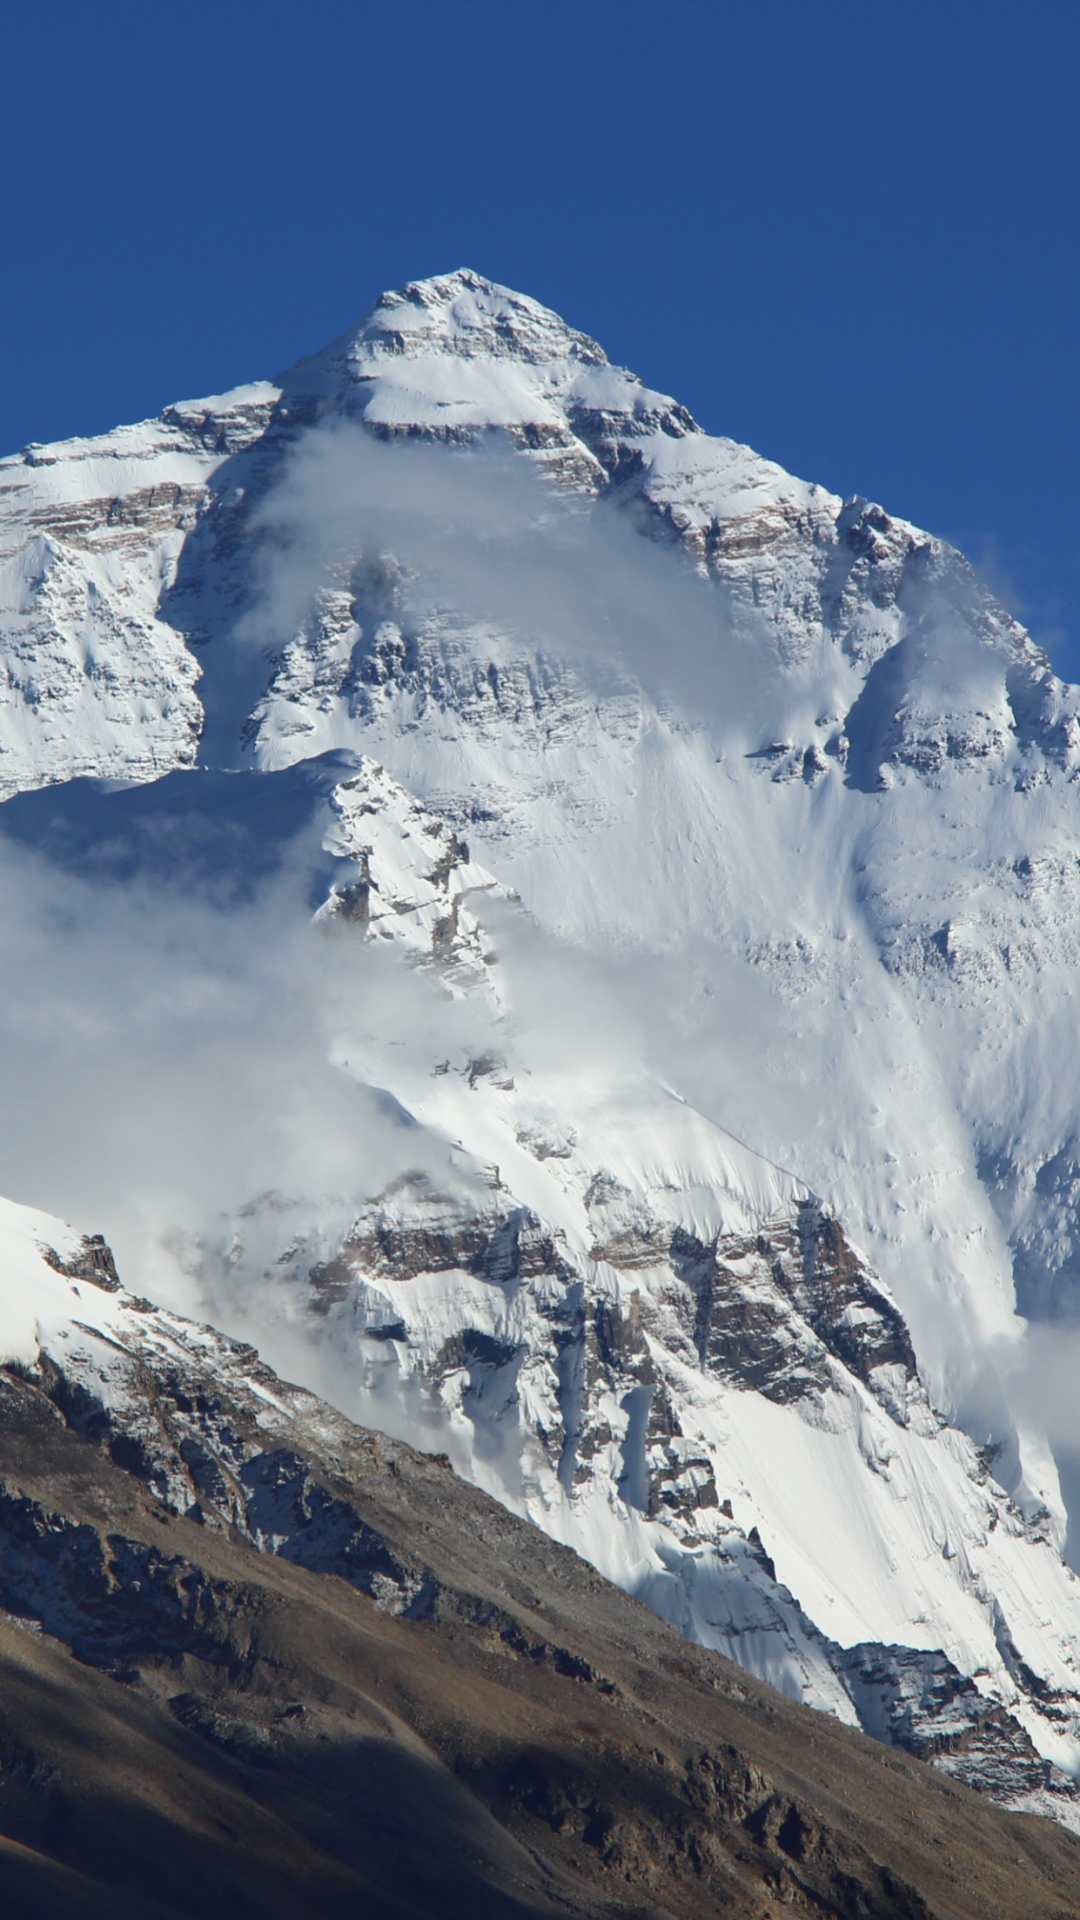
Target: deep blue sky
{"type": "Point", "coordinates": [847, 234]}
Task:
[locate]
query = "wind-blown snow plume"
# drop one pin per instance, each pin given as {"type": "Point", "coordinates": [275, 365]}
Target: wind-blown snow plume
{"type": "Point", "coordinates": [480, 533]}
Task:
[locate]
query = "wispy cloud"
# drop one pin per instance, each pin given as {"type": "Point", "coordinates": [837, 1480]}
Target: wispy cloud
{"type": "Point", "coordinates": [485, 532]}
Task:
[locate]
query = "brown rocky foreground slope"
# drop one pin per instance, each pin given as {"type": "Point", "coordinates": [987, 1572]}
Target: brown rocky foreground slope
{"type": "Point", "coordinates": [258, 1662]}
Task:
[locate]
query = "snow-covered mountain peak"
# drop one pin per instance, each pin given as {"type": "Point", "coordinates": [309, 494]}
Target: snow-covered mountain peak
{"type": "Point", "coordinates": [459, 355]}
{"type": "Point", "coordinates": [835, 904]}
{"type": "Point", "coordinates": [456, 358]}
{"type": "Point", "coordinates": [461, 313]}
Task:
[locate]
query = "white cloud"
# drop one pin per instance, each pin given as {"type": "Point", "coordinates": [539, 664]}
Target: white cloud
{"type": "Point", "coordinates": [484, 532]}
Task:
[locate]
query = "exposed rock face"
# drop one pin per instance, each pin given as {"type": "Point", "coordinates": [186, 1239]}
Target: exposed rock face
{"type": "Point", "coordinates": [921, 1703]}
{"type": "Point", "coordinates": [574, 1377]}
{"type": "Point", "coordinates": [772, 1310]}
{"type": "Point", "coordinates": [316, 1669]}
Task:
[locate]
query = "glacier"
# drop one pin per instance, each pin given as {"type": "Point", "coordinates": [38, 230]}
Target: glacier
{"type": "Point", "coordinates": [723, 836]}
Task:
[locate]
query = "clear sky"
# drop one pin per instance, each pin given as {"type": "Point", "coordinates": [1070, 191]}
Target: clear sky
{"type": "Point", "coordinates": [846, 233]}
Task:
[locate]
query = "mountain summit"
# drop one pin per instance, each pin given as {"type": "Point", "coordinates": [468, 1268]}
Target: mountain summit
{"type": "Point", "coordinates": [459, 316]}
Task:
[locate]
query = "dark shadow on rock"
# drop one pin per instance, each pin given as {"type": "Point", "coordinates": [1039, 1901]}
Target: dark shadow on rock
{"type": "Point", "coordinates": [218, 574]}
{"type": "Point", "coordinates": [870, 720]}
{"type": "Point", "coordinates": [324, 1830]}
{"type": "Point", "coordinates": [217, 835]}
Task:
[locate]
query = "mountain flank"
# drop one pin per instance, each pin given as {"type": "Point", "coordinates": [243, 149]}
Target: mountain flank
{"type": "Point", "coordinates": [258, 1661]}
